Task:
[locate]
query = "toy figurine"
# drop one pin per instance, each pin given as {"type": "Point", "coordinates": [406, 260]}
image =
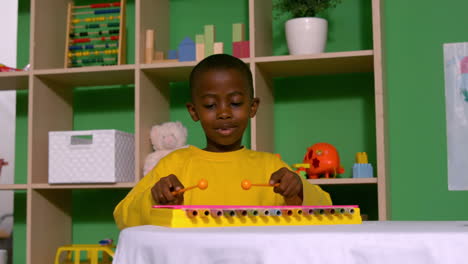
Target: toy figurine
{"type": "Point", "coordinates": [4, 68]}
{"type": "Point", "coordinates": [323, 160]}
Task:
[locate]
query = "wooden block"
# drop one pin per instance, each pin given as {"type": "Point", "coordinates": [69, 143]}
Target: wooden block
{"type": "Point", "coordinates": [245, 49]}
{"type": "Point", "coordinates": [149, 45]}
{"type": "Point", "coordinates": [159, 55]}
{"type": "Point", "coordinates": [209, 39]}
{"type": "Point", "coordinates": [238, 32]}
{"type": "Point", "coordinates": [236, 49]}
{"type": "Point", "coordinates": [199, 39]}
{"type": "Point", "coordinates": [199, 51]}
{"type": "Point", "coordinates": [241, 49]}
{"type": "Point", "coordinates": [218, 48]}
{"type": "Point", "coordinates": [187, 50]}
{"type": "Point", "coordinates": [172, 54]}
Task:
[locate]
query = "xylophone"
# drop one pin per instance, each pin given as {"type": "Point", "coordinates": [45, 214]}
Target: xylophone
{"type": "Point", "coordinates": [95, 34]}
{"type": "Point", "coordinates": [180, 216]}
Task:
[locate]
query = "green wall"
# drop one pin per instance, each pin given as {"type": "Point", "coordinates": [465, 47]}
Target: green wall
{"type": "Point", "coordinates": [414, 34]}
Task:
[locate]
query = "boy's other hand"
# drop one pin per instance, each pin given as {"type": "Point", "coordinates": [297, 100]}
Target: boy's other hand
{"type": "Point", "coordinates": [290, 186]}
{"type": "Point", "coordinates": [162, 191]}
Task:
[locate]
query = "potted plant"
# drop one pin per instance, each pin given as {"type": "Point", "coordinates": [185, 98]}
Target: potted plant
{"type": "Point", "coordinates": [306, 33]}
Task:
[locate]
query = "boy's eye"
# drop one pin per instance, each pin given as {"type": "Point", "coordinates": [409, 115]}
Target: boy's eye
{"type": "Point", "coordinates": [209, 106]}
{"type": "Point", "coordinates": [236, 104]}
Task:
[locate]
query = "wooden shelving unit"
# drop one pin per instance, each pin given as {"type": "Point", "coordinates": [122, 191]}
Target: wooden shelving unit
{"type": "Point", "coordinates": [50, 86]}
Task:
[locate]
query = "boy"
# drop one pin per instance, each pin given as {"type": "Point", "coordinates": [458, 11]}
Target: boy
{"type": "Point", "coordinates": [223, 102]}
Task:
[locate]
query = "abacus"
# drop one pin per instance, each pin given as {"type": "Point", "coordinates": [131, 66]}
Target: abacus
{"type": "Point", "coordinates": [180, 216]}
{"type": "Point", "coordinates": [95, 34]}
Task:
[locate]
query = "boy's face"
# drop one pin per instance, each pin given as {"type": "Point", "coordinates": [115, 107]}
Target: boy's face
{"type": "Point", "coordinates": [222, 102]}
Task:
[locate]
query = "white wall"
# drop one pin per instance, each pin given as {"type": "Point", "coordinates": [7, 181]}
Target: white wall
{"type": "Point", "coordinates": [8, 33]}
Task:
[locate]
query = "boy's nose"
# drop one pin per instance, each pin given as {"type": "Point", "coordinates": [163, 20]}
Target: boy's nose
{"type": "Point", "coordinates": [224, 112]}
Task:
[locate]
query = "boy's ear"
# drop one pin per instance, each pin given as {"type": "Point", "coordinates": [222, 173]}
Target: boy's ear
{"type": "Point", "coordinates": [254, 106]}
{"type": "Point", "coordinates": [192, 111]}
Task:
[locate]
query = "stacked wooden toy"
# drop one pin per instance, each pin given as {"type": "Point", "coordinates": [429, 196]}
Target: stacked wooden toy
{"type": "Point", "coordinates": [95, 34]}
{"type": "Point", "coordinates": [240, 46]}
{"type": "Point", "coordinates": [362, 168]}
{"type": "Point", "coordinates": [204, 45]}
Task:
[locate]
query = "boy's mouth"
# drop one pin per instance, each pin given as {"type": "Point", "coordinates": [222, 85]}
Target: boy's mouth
{"type": "Point", "coordinates": [225, 131]}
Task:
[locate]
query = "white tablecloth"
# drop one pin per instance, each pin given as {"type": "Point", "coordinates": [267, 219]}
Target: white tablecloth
{"type": "Point", "coordinates": [371, 242]}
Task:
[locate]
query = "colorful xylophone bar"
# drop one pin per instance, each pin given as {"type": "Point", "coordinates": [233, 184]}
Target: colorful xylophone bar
{"type": "Point", "coordinates": [217, 216]}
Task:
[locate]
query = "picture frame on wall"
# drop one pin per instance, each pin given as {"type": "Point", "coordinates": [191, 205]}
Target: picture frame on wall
{"type": "Point", "coordinates": [456, 109]}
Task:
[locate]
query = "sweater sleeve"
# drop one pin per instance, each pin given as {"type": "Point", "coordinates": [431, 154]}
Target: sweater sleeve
{"type": "Point", "coordinates": [312, 194]}
{"type": "Point", "coordinates": [135, 208]}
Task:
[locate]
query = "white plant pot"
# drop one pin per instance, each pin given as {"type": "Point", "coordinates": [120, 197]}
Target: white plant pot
{"type": "Point", "coordinates": [306, 35]}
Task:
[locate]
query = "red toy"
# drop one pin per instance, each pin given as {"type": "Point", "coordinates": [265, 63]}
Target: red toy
{"type": "Point", "coordinates": [324, 160]}
{"type": "Point", "coordinates": [4, 68]}
{"type": "Point", "coordinates": [2, 163]}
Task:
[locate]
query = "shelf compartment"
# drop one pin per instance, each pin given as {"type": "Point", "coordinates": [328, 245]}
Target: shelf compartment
{"type": "Point", "coordinates": [49, 29]}
{"type": "Point", "coordinates": [343, 181]}
{"type": "Point", "coordinates": [50, 223]}
{"type": "Point", "coordinates": [164, 16]}
{"type": "Point", "coordinates": [317, 64]}
{"type": "Point", "coordinates": [120, 185]}
{"type": "Point", "coordinates": [90, 76]}
{"type": "Point", "coordinates": [14, 80]}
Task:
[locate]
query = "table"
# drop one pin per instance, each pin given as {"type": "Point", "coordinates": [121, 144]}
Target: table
{"type": "Point", "coordinates": [372, 242]}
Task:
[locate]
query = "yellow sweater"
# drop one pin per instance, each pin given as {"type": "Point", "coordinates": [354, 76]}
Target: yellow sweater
{"type": "Point", "coordinates": [224, 173]}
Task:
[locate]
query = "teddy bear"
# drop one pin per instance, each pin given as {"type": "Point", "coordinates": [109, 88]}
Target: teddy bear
{"type": "Point", "coordinates": [165, 138]}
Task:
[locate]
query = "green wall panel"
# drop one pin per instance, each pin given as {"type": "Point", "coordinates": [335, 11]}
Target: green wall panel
{"type": "Point", "coordinates": [415, 32]}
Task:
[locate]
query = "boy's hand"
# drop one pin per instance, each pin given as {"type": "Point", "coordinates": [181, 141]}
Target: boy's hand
{"type": "Point", "coordinates": [162, 191]}
{"type": "Point", "coordinates": [290, 186]}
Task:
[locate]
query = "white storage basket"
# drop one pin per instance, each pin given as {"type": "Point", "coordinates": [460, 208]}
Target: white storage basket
{"type": "Point", "coordinates": [91, 156]}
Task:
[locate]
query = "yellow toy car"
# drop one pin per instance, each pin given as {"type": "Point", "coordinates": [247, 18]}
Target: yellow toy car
{"type": "Point", "coordinates": [71, 254]}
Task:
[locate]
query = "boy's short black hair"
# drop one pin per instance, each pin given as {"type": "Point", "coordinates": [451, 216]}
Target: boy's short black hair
{"type": "Point", "coordinates": [221, 62]}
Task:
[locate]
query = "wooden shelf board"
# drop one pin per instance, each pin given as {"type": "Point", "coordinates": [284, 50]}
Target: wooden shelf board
{"type": "Point", "coordinates": [340, 181]}
{"type": "Point", "coordinates": [120, 185]}
{"type": "Point", "coordinates": [172, 71]}
{"type": "Point", "coordinates": [14, 80]}
{"type": "Point", "coordinates": [13, 186]}
{"type": "Point", "coordinates": [317, 64]}
{"type": "Point", "coordinates": [90, 76]}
